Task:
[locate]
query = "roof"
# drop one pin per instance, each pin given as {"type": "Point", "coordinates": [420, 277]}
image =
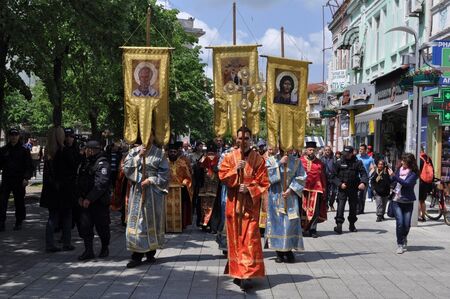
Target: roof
{"type": "Point", "coordinates": [317, 87]}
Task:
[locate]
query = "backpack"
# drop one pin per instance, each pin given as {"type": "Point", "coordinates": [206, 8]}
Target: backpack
{"type": "Point", "coordinates": [427, 173]}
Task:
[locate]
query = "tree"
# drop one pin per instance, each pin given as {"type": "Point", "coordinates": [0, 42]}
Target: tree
{"type": "Point", "coordinates": [73, 48]}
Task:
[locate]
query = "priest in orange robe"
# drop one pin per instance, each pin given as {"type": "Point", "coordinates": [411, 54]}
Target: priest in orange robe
{"type": "Point", "coordinates": [180, 174]}
{"type": "Point", "coordinates": [244, 172]}
{"type": "Point", "coordinates": [313, 204]}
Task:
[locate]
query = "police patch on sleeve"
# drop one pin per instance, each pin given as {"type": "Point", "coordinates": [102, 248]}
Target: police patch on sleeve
{"type": "Point", "coordinates": [104, 171]}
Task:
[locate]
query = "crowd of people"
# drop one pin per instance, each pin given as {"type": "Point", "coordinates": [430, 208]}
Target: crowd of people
{"type": "Point", "coordinates": [240, 192]}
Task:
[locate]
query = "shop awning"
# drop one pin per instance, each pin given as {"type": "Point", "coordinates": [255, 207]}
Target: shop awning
{"type": "Point", "coordinates": [376, 113]}
{"type": "Point", "coordinates": [318, 139]}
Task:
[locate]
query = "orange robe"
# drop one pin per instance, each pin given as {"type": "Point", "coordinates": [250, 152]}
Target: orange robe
{"type": "Point", "coordinates": [245, 257]}
{"type": "Point", "coordinates": [208, 192]}
{"type": "Point", "coordinates": [180, 174]}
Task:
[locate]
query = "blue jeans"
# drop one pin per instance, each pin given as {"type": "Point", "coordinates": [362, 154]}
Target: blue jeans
{"type": "Point", "coordinates": [403, 213]}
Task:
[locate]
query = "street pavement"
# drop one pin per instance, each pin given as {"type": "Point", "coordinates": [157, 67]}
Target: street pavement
{"type": "Point", "coordinates": [352, 265]}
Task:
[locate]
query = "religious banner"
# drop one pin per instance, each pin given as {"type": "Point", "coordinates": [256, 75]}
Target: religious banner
{"type": "Point", "coordinates": [146, 77]}
{"type": "Point", "coordinates": [287, 83]}
{"type": "Point", "coordinates": [227, 63]}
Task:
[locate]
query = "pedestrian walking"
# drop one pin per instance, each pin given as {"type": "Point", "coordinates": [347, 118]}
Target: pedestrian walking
{"type": "Point", "coordinates": [369, 165]}
{"type": "Point", "coordinates": [328, 161]}
{"type": "Point", "coordinates": [245, 174]}
{"type": "Point", "coordinates": [94, 197]}
{"type": "Point", "coordinates": [17, 169]}
{"type": "Point", "coordinates": [53, 195]}
{"type": "Point", "coordinates": [426, 181]}
{"type": "Point", "coordinates": [146, 204]}
{"type": "Point", "coordinates": [36, 156]}
{"type": "Point", "coordinates": [72, 160]}
{"type": "Point", "coordinates": [405, 179]}
{"type": "Point", "coordinates": [349, 176]}
{"type": "Point", "coordinates": [283, 229]}
{"type": "Point", "coordinates": [381, 186]}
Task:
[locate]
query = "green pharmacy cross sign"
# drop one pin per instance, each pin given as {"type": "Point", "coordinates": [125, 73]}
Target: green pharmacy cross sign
{"type": "Point", "coordinates": [441, 107]}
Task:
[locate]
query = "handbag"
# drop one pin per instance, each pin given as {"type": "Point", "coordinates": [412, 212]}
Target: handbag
{"type": "Point", "coordinates": [390, 209]}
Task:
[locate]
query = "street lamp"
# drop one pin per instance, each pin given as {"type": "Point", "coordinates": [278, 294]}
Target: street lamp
{"type": "Point", "coordinates": [416, 119]}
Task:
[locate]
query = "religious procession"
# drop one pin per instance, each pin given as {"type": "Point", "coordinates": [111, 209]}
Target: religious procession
{"type": "Point", "coordinates": [215, 185]}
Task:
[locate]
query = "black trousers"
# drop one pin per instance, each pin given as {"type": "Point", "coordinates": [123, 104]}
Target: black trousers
{"type": "Point", "coordinates": [16, 187]}
{"type": "Point", "coordinates": [197, 203]}
{"type": "Point", "coordinates": [352, 196]}
{"type": "Point", "coordinates": [96, 215]}
{"type": "Point", "coordinates": [331, 194]}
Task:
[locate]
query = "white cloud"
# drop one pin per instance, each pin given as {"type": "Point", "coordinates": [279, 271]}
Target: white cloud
{"type": "Point", "coordinates": [296, 47]}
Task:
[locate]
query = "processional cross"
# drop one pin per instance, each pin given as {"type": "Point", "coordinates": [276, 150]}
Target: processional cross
{"type": "Point", "coordinates": [245, 89]}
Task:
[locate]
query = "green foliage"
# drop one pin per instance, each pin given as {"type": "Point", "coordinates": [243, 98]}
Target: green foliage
{"type": "Point", "coordinates": [73, 47]}
{"type": "Point", "coordinates": [35, 114]}
{"type": "Point", "coordinates": [315, 131]}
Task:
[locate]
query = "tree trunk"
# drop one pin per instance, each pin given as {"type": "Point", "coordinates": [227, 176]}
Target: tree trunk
{"type": "Point", "coordinates": [3, 54]}
{"type": "Point", "coordinates": [93, 115]}
{"type": "Point", "coordinates": [57, 94]}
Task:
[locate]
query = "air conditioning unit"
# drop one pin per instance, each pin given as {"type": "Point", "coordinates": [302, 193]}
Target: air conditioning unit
{"type": "Point", "coordinates": [415, 7]}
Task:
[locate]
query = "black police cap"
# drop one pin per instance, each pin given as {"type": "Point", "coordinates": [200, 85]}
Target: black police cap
{"type": "Point", "coordinates": [93, 144]}
{"type": "Point", "coordinates": [13, 131]}
{"type": "Point", "coordinates": [69, 132]}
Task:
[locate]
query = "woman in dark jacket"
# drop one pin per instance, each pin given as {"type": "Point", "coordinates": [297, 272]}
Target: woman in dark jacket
{"type": "Point", "coordinates": [381, 188]}
{"type": "Point", "coordinates": [52, 195]}
{"type": "Point", "coordinates": [405, 178]}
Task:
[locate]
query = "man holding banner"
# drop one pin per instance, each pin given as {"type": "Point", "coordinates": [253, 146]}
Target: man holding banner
{"type": "Point", "coordinates": [283, 230]}
{"type": "Point", "coordinates": [145, 71]}
{"type": "Point", "coordinates": [145, 225]}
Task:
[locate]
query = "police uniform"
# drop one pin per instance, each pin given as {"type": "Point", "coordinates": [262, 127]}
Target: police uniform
{"type": "Point", "coordinates": [16, 166]}
{"type": "Point", "coordinates": [352, 173]}
{"type": "Point", "coordinates": [93, 184]}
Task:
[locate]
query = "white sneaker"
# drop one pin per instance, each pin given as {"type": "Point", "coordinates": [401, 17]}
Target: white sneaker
{"type": "Point", "coordinates": [404, 248]}
{"type": "Point", "coordinates": [399, 249]}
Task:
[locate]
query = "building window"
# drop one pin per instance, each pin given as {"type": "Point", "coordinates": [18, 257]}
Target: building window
{"type": "Point", "coordinates": [443, 19]}
{"type": "Point", "coordinates": [377, 45]}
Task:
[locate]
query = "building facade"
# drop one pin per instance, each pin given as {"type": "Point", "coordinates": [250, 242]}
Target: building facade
{"type": "Point", "coordinates": [372, 107]}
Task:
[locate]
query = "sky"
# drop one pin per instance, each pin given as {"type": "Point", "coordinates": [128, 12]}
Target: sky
{"type": "Point", "coordinates": [259, 21]}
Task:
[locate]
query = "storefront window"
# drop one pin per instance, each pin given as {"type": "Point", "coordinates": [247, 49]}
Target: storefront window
{"type": "Point", "coordinates": [445, 159]}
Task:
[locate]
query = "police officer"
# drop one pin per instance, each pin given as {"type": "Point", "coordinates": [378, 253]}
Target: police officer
{"type": "Point", "coordinates": [348, 175]}
{"type": "Point", "coordinates": [17, 169]}
{"type": "Point", "coordinates": [94, 197]}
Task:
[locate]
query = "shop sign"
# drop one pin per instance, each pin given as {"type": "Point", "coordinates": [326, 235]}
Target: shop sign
{"type": "Point", "coordinates": [327, 113]}
{"type": "Point", "coordinates": [345, 124]}
{"type": "Point", "coordinates": [441, 107]}
{"type": "Point", "coordinates": [389, 93]}
{"type": "Point", "coordinates": [339, 81]}
{"type": "Point", "coordinates": [361, 94]}
{"type": "Point", "coordinates": [441, 56]}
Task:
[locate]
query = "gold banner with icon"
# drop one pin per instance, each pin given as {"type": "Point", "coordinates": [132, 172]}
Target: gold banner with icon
{"type": "Point", "coordinates": [227, 62]}
{"type": "Point", "coordinates": [146, 77]}
{"type": "Point", "coordinates": [287, 92]}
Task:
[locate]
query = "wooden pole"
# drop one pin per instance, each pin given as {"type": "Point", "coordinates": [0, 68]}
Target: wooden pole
{"type": "Point", "coordinates": [147, 28]}
{"type": "Point", "coordinates": [282, 41]}
{"type": "Point", "coordinates": [234, 23]}
{"type": "Point", "coordinates": [147, 43]}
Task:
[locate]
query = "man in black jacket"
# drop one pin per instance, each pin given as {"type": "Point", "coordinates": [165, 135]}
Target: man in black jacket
{"type": "Point", "coordinates": [348, 175]}
{"type": "Point", "coordinates": [94, 198]}
{"type": "Point", "coordinates": [17, 169]}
